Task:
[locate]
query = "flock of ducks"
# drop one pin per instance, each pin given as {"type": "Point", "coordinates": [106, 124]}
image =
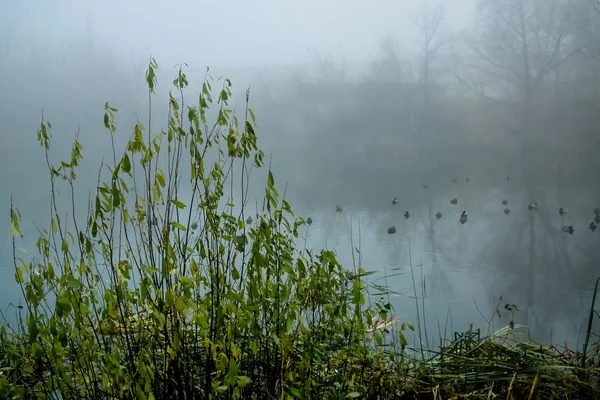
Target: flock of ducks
{"type": "Point", "coordinates": [562, 211]}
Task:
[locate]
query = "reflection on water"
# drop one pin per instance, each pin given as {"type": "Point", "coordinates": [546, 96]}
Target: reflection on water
{"type": "Point", "coordinates": [460, 271]}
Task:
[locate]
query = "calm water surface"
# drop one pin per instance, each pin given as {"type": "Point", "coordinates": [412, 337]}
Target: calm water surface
{"type": "Point", "coordinates": [459, 271]}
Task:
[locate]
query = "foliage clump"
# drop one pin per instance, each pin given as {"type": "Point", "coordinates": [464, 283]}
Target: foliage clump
{"type": "Point", "coordinates": [166, 290]}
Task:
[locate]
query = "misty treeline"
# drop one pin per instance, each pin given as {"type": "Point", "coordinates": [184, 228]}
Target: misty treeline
{"type": "Point", "coordinates": [523, 74]}
{"type": "Point", "coordinates": [522, 79]}
{"type": "Point", "coordinates": [527, 50]}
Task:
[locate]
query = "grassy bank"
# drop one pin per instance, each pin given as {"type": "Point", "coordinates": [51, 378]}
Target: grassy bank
{"type": "Point", "coordinates": [169, 287]}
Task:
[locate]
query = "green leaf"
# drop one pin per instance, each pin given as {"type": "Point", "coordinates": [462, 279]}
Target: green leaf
{"type": "Point", "coordinates": [150, 270]}
{"type": "Point", "coordinates": [116, 196]}
{"type": "Point", "coordinates": [36, 350]}
{"type": "Point", "coordinates": [126, 163]}
{"type": "Point", "coordinates": [178, 204]}
{"type": "Point", "coordinates": [19, 275]}
{"type": "Point", "coordinates": [33, 329]}
{"type": "Point", "coordinates": [352, 395]}
{"type": "Point", "coordinates": [233, 370]}
{"type": "Point", "coordinates": [178, 226]}
{"type": "Point", "coordinates": [14, 230]}
{"type": "Point", "coordinates": [170, 298]}
{"type": "Point", "coordinates": [243, 381]}
{"type": "Point", "coordinates": [160, 177]}
{"type": "Point", "coordinates": [271, 179]}
{"type": "Point", "coordinates": [63, 306]}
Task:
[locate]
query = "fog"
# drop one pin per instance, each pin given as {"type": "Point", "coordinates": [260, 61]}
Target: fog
{"type": "Point", "coordinates": [357, 103]}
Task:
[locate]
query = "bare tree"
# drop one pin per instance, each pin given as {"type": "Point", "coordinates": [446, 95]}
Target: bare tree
{"type": "Point", "coordinates": [327, 69]}
{"type": "Point", "coordinates": [522, 41]}
{"type": "Point", "coordinates": [586, 27]}
{"type": "Point", "coordinates": [389, 64]}
{"type": "Point", "coordinates": [429, 22]}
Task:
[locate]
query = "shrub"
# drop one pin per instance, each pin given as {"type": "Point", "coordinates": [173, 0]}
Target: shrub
{"type": "Point", "coordinates": [167, 290]}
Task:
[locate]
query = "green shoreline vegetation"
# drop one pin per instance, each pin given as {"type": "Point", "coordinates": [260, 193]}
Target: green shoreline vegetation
{"type": "Point", "coordinates": [157, 296]}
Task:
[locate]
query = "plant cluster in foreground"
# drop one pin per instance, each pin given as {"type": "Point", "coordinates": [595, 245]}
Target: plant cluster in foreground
{"type": "Point", "coordinates": [167, 290]}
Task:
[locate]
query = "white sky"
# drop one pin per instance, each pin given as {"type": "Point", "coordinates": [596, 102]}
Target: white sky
{"type": "Point", "coordinates": [228, 32]}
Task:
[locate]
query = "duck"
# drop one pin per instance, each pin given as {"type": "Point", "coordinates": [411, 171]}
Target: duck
{"type": "Point", "coordinates": [562, 211]}
{"type": "Point", "coordinates": [597, 218]}
{"type": "Point", "coordinates": [463, 219]}
{"type": "Point", "coordinates": [504, 202]}
{"type": "Point", "coordinates": [533, 206]}
{"type": "Point", "coordinates": [454, 201]}
{"type": "Point", "coordinates": [438, 215]}
{"type": "Point", "coordinates": [249, 220]}
{"type": "Point", "coordinates": [194, 225]}
{"type": "Point", "coordinates": [506, 211]}
{"type": "Point", "coordinates": [407, 214]}
{"type": "Point", "coordinates": [309, 221]}
{"type": "Point", "coordinates": [592, 226]}
{"type": "Point", "coordinates": [395, 201]}
{"type": "Point", "coordinates": [338, 208]}
{"type": "Point", "coordinates": [464, 214]}
{"type": "Point", "coordinates": [391, 230]}
{"type": "Point", "coordinates": [597, 210]}
{"type": "Point", "coordinates": [568, 228]}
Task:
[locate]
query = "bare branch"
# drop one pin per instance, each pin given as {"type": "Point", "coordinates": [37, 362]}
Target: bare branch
{"type": "Point", "coordinates": [525, 38]}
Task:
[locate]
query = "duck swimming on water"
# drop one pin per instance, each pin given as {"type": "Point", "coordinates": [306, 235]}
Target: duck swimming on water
{"type": "Point", "coordinates": [391, 230]}
{"type": "Point", "coordinates": [569, 229]}
{"type": "Point", "coordinates": [506, 211]}
{"type": "Point", "coordinates": [438, 215]}
{"type": "Point", "coordinates": [504, 202]}
{"type": "Point", "coordinates": [338, 208]}
{"type": "Point", "coordinates": [597, 210]}
{"type": "Point", "coordinates": [454, 201]}
{"type": "Point", "coordinates": [309, 221]}
{"type": "Point", "coordinates": [592, 226]}
{"type": "Point", "coordinates": [395, 201]}
{"type": "Point", "coordinates": [562, 211]}
{"type": "Point", "coordinates": [407, 214]}
{"type": "Point", "coordinates": [533, 206]}
{"type": "Point", "coordinates": [464, 214]}
{"type": "Point", "coordinates": [249, 220]}
{"type": "Point", "coordinates": [597, 218]}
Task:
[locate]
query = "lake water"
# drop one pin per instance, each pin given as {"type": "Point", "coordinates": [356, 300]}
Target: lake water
{"type": "Point", "coordinates": [459, 271]}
